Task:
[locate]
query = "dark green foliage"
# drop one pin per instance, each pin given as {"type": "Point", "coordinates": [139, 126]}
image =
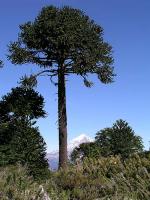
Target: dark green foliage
{"type": "Point", "coordinates": [118, 140]}
{"type": "Point", "coordinates": [89, 150]}
{"type": "Point", "coordinates": [64, 36]}
{"type": "Point", "coordinates": [25, 146]}
{"type": "Point", "coordinates": [19, 141]}
{"type": "Point", "coordinates": [21, 103]}
{"type": "Point", "coordinates": [63, 41]}
{"type": "Point", "coordinates": [145, 154]}
{"type": "Point", "coordinates": [1, 63]}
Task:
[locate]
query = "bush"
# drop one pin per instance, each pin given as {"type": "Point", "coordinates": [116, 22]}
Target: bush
{"type": "Point", "coordinates": [107, 178]}
{"type": "Point", "coordinates": [101, 179]}
{"type": "Point", "coordinates": [15, 184]}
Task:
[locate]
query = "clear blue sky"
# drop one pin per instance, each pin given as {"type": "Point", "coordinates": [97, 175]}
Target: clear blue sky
{"type": "Point", "coordinates": [127, 28]}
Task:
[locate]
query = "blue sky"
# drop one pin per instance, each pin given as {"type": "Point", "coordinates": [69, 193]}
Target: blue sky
{"type": "Point", "coordinates": [127, 28]}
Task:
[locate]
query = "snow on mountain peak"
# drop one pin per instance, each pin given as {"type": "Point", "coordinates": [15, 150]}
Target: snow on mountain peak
{"type": "Point", "coordinates": [78, 140]}
{"type": "Point", "coordinates": [53, 156]}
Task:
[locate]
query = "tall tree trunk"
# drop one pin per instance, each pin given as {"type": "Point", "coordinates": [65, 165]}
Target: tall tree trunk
{"type": "Point", "coordinates": [62, 119]}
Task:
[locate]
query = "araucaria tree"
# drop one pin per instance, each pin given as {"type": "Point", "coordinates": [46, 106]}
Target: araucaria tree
{"type": "Point", "coordinates": [64, 41]}
{"type": "Point", "coordinates": [20, 141]}
{"type": "Point", "coordinates": [120, 139]}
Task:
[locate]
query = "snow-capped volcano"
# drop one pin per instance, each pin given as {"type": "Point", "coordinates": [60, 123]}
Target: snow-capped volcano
{"type": "Point", "coordinates": [77, 141]}
{"type": "Point", "coordinates": [54, 155]}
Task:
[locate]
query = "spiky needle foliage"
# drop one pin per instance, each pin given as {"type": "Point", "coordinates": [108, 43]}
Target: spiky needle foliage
{"type": "Point", "coordinates": [120, 139]}
{"type": "Point", "coordinates": [19, 140]}
{"type": "Point", "coordinates": [64, 41]}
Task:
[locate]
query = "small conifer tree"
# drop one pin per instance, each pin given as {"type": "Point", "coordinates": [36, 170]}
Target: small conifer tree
{"type": "Point", "coordinates": [19, 140]}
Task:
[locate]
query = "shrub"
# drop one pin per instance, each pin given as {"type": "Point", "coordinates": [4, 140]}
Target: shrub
{"type": "Point", "coordinates": [15, 184]}
{"type": "Point", "coordinates": [107, 178]}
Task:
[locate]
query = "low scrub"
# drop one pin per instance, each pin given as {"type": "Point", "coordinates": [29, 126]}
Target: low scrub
{"type": "Point", "coordinates": [107, 178]}
{"type": "Point", "coordinates": [15, 184]}
{"type": "Point", "coordinates": [92, 179]}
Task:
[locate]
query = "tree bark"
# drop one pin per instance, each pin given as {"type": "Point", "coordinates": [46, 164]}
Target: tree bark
{"type": "Point", "coordinates": [62, 119]}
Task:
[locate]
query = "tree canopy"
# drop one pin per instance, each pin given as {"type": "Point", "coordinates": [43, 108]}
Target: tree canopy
{"type": "Point", "coordinates": [64, 35]}
{"type": "Point", "coordinates": [23, 104]}
{"type": "Point", "coordinates": [19, 140]}
{"type": "Point", "coordinates": [63, 41]}
{"type": "Point", "coordinates": [89, 150]}
{"type": "Point", "coordinates": [120, 139]}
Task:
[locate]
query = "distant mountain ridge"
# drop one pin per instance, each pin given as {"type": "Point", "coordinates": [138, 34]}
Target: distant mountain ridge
{"type": "Point", "coordinates": [53, 157]}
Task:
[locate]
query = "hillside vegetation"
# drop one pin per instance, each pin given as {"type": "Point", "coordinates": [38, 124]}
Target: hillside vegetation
{"type": "Point", "coordinates": [104, 178]}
